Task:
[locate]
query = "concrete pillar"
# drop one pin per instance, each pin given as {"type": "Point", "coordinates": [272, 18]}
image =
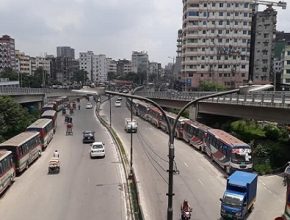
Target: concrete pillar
{"type": "Point", "coordinates": [193, 111]}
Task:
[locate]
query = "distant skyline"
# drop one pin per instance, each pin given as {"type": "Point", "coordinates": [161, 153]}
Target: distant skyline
{"type": "Point", "coordinates": [111, 27]}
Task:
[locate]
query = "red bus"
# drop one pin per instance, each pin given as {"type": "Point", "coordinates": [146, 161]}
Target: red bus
{"type": "Point", "coordinates": [228, 151]}
{"type": "Point", "coordinates": [50, 114]}
{"type": "Point", "coordinates": [179, 126]}
{"type": "Point", "coordinates": [154, 116]}
{"type": "Point", "coordinates": [141, 109]}
{"type": "Point", "coordinates": [7, 170]}
{"type": "Point", "coordinates": [25, 147]}
{"type": "Point", "coordinates": [51, 106]}
{"type": "Point", "coordinates": [194, 133]}
{"type": "Point", "coordinates": [45, 128]}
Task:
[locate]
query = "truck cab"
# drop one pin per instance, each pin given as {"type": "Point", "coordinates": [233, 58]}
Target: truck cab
{"type": "Point", "coordinates": [240, 195]}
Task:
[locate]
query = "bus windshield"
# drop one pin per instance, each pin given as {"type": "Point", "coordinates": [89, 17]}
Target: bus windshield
{"type": "Point", "coordinates": [241, 155]}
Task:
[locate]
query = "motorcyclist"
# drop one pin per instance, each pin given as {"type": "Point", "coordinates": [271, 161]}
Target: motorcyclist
{"type": "Point", "coordinates": [56, 154]}
{"type": "Point", "coordinates": [185, 210]}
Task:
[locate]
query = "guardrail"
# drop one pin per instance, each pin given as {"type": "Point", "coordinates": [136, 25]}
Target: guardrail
{"type": "Point", "coordinates": [273, 99]}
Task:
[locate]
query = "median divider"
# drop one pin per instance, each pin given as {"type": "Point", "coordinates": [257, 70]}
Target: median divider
{"type": "Point", "coordinates": [131, 189]}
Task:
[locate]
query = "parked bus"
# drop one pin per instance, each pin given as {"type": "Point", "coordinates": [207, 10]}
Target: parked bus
{"type": "Point", "coordinates": [179, 126]}
{"type": "Point", "coordinates": [46, 107]}
{"type": "Point", "coordinates": [227, 151]}
{"type": "Point", "coordinates": [25, 147]}
{"type": "Point", "coordinates": [45, 127]}
{"type": "Point", "coordinates": [50, 114]}
{"type": "Point", "coordinates": [7, 170]}
{"type": "Point", "coordinates": [194, 133]}
{"type": "Point", "coordinates": [154, 116]}
{"type": "Point", "coordinates": [141, 109]}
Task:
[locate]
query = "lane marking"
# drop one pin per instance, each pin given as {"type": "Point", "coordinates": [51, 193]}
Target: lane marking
{"type": "Point", "coordinates": [199, 180]}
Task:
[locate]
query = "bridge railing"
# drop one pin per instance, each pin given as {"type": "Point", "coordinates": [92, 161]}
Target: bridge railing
{"type": "Point", "coordinates": [19, 91]}
{"type": "Point", "coordinates": [273, 99]}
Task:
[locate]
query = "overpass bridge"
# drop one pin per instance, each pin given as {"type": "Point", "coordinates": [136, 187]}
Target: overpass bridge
{"type": "Point", "coordinates": [264, 106]}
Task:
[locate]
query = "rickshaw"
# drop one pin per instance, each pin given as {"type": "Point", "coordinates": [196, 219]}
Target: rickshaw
{"type": "Point", "coordinates": [68, 119]}
{"type": "Point", "coordinates": [69, 129]}
{"type": "Point", "coordinates": [63, 111]}
{"type": "Point", "coordinates": [71, 111]}
{"type": "Point", "coordinates": [53, 165]}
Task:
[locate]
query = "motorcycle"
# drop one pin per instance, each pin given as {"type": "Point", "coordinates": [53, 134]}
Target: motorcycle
{"type": "Point", "coordinates": [186, 214]}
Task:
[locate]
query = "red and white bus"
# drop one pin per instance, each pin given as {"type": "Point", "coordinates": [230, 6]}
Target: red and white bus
{"type": "Point", "coordinates": [141, 109]}
{"type": "Point", "coordinates": [45, 128]}
{"type": "Point", "coordinates": [7, 170]}
{"type": "Point", "coordinates": [228, 151]}
{"type": "Point", "coordinates": [179, 126]}
{"type": "Point", "coordinates": [25, 147]}
{"type": "Point", "coordinates": [50, 114]}
{"type": "Point", "coordinates": [154, 116]}
{"type": "Point", "coordinates": [51, 106]}
{"type": "Point", "coordinates": [194, 133]}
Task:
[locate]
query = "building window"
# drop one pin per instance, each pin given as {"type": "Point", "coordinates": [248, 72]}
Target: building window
{"type": "Point", "coordinates": [288, 71]}
{"type": "Point", "coordinates": [220, 22]}
{"type": "Point", "coordinates": [243, 66]}
{"type": "Point", "coordinates": [205, 5]}
{"type": "Point", "coordinates": [213, 4]}
{"type": "Point", "coordinates": [228, 22]}
{"type": "Point", "coordinates": [220, 66]}
{"type": "Point", "coordinates": [220, 31]}
{"type": "Point", "coordinates": [228, 14]}
{"type": "Point", "coordinates": [221, 14]}
{"type": "Point", "coordinates": [221, 5]}
{"type": "Point", "coordinates": [236, 13]}
{"type": "Point", "coordinates": [245, 15]}
{"type": "Point", "coordinates": [288, 53]}
{"type": "Point", "coordinates": [288, 62]}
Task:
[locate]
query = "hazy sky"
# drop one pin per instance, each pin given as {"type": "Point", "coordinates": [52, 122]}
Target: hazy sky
{"type": "Point", "coordinates": [111, 27]}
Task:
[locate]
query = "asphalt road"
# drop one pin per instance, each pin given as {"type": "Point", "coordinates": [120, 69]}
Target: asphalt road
{"type": "Point", "coordinates": [199, 181]}
{"type": "Point", "coordinates": [84, 189]}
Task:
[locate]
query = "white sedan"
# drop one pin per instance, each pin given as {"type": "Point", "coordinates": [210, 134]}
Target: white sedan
{"type": "Point", "coordinates": [97, 150]}
{"type": "Point", "coordinates": [118, 103]}
{"type": "Point", "coordinates": [89, 105]}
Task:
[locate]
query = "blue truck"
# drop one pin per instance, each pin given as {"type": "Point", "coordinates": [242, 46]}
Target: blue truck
{"type": "Point", "coordinates": [240, 195]}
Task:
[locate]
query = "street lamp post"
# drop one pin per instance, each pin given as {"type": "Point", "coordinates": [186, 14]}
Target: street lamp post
{"type": "Point", "coordinates": [170, 194]}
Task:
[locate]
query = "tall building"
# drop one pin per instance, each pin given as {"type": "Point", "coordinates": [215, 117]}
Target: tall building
{"type": "Point", "coordinates": [140, 62]}
{"type": "Point", "coordinates": [111, 65]}
{"type": "Point", "coordinates": [286, 70]}
{"type": "Point", "coordinates": [215, 42]}
{"type": "Point", "coordinates": [124, 67]}
{"type": "Point", "coordinates": [155, 69]}
{"type": "Point", "coordinates": [264, 46]}
{"type": "Point", "coordinates": [22, 62]}
{"type": "Point", "coordinates": [37, 62]}
{"type": "Point", "coordinates": [7, 53]}
{"type": "Point", "coordinates": [95, 65]}
{"type": "Point", "coordinates": [65, 52]}
{"type": "Point", "coordinates": [63, 68]}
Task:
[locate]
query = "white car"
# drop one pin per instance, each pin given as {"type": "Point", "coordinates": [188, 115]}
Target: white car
{"type": "Point", "coordinates": [97, 150]}
{"type": "Point", "coordinates": [118, 103]}
{"type": "Point", "coordinates": [89, 105]}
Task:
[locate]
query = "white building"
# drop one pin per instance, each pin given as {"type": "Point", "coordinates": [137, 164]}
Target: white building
{"type": "Point", "coordinates": [7, 53]}
{"type": "Point", "coordinates": [111, 65]}
{"type": "Point", "coordinates": [37, 62]}
{"type": "Point", "coordinates": [95, 65]}
{"type": "Point", "coordinates": [22, 62]}
{"type": "Point", "coordinates": [286, 71]}
{"type": "Point", "coordinates": [140, 62]}
{"type": "Point", "coordinates": [215, 42]}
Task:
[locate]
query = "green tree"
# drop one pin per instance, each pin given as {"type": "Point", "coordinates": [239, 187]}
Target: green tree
{"type": "Point", "coordinates": [10, 74]}
{"type": "Point", "coordinates": [14, 118]}
{"type": "Point", "coordinates": [80, 76]}
{"type": "Point", "coordinates": [210, 86]}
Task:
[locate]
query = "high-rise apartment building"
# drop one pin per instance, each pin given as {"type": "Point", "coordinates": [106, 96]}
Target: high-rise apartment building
{"type": "Point", "coordinates": [39, 62]}
{"type": "Point", "coordinates": [140, 62]}
{"type": "Point", "coordinates": [111, 65]}
{"type": "Point", "coordinates": [124, 67]}
{"type": "Point", "coordinates": [7, 53]}
{"type": "Point", "coordinates": [264, 46]}
{"type": "Point", "coordinates": [22, 62]}
{"type": "Point", "coordinates": [286, 70]}
{"type": "Point", "coordinates": [215, 42]}
{"type": "Point", "coordinates": [65, 52]}
{"type": "Point", "coordinates": [95, 65]}
{"type": "Point", "coordinates": [63, 68]}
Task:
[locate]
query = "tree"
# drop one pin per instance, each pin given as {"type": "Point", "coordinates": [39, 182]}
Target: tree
{"type": "Point", "coordinates": [210, 86]}
{"type": "Point", "coordinates": [80, 76]}
{"type": "Point", "coordinates": [13, 118]}
{"type": "Point", "coordinates": [10, 74]}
